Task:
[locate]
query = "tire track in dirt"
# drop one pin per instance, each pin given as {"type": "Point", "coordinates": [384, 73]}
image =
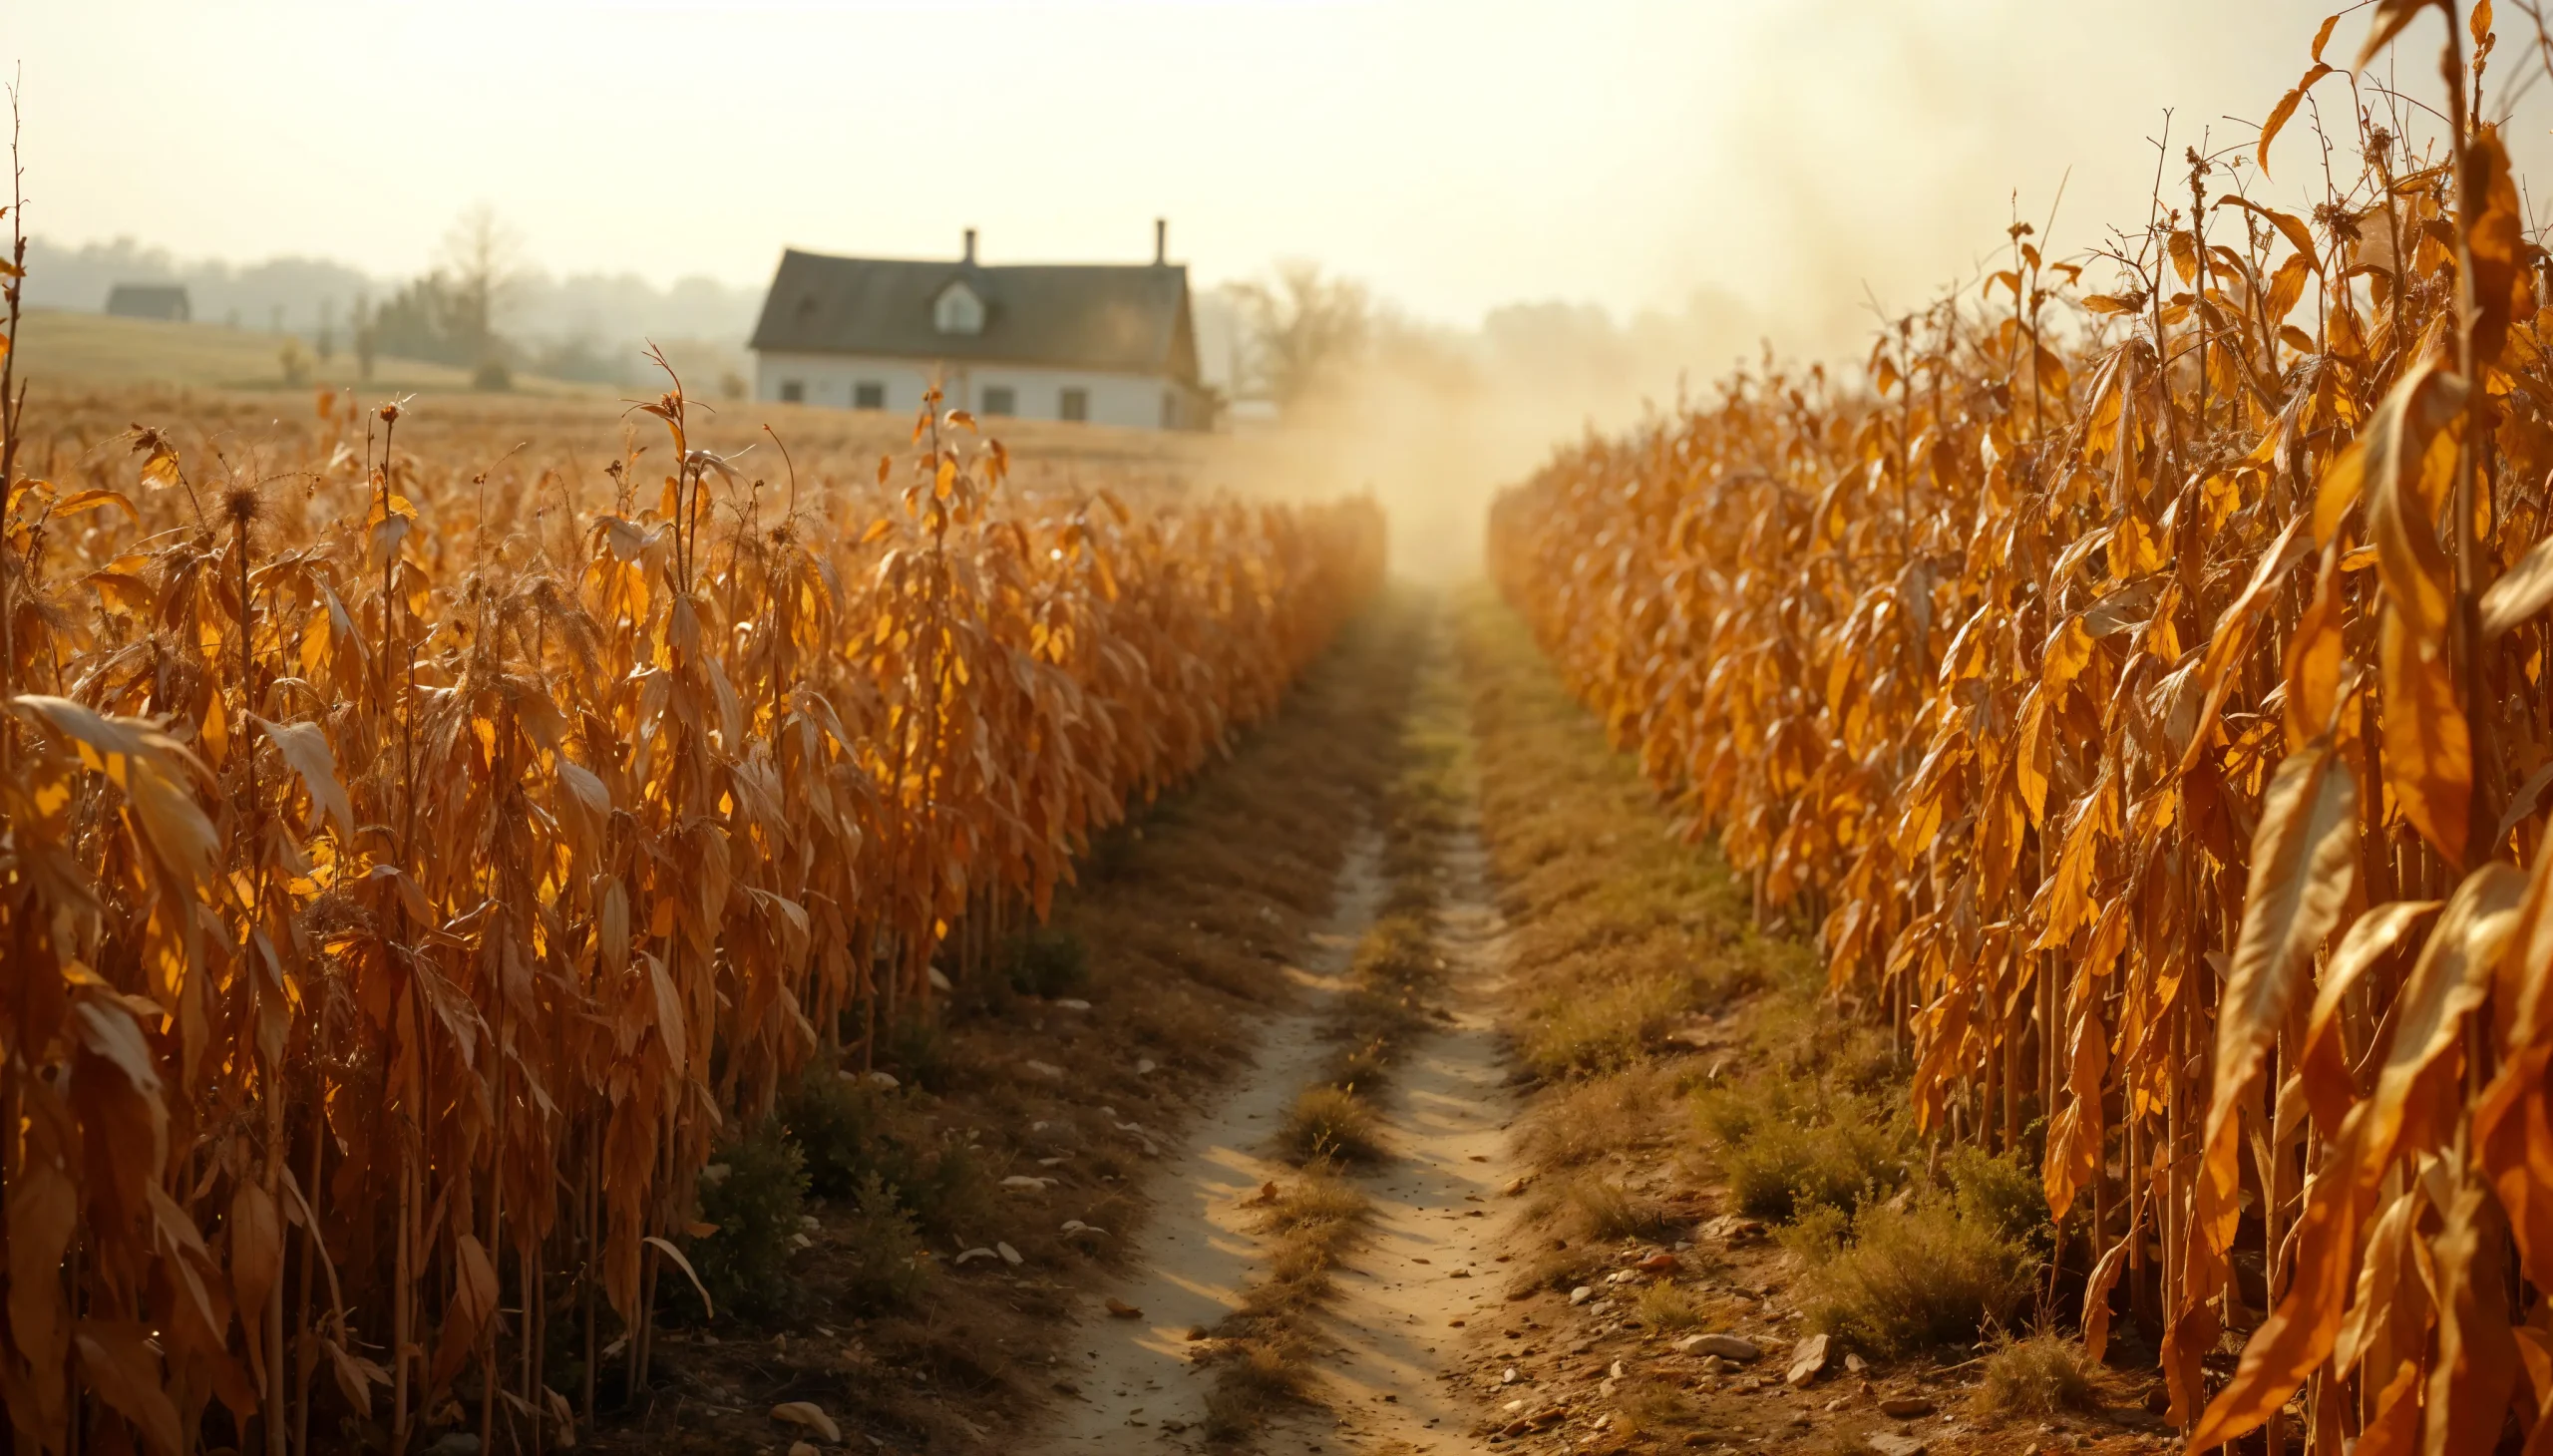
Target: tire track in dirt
{"type": "Point", "coordinates": [1429, 1253]}
{"type": "Point", "coordinates": [1129, 1383]}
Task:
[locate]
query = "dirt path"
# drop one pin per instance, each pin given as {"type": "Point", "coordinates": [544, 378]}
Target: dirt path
{"type": "Point", "coordinates": [1129, 1384]}
{"type": "Point", "coordinates": [1427, 1259]}
{"type": "Point", "coordinates": [1424, 1264]}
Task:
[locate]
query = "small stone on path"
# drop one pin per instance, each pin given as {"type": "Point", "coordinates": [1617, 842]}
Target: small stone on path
{"type": "Point", "coordinates": [1807, 1360]}
{"type": "Point", "coordinates": [1727, 1346]}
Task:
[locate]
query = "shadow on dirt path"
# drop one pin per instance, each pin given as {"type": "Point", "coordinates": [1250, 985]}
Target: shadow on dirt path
{"type": "Point", "coordinates": [1129, 1383]}
{"type": "Point", "coordinates": [1428, 1260]}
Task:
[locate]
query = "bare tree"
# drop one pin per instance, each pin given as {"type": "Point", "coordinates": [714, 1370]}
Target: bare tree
{"type": "Point", "coordinates": [483, 257]}
{"type": "Point", "coordinates": [1305, 326]}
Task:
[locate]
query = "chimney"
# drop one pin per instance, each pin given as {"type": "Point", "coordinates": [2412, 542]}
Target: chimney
{"type": "Point", "coordinates": [971, 248]}
{"type": "Point", "coordinates": [1161, 242]}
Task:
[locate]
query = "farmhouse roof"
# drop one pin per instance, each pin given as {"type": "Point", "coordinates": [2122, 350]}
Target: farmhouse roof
{"type": "Point", "coordinates": [149, 301]}
{"type": "Point", "coordinates": [1131, 319]}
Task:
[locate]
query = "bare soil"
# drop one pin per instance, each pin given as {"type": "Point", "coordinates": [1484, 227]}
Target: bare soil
{"type": "Point", "coordinates": [1431, 1261]}
{"type": "Point", "coordinates": [1131, 1379]}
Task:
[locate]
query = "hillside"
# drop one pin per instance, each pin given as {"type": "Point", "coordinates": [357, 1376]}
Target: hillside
{"type": "Point", "coordinates": [94, 348]}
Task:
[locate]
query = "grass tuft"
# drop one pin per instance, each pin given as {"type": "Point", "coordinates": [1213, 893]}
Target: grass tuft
{"type": "Point", "coordinates": [752, 1191]}
{"type": "Point", "coordinates": [1788, 1168]}
{"type": "Point", "coordinates": [1646, 1406]}
{"type": "Point", "coordinates": [1788, 1145]}
{"type": "Point", "coordinates": [1581, 1122]}
{"type": "Point", "coordinates": [1817, 1235]}
{"type": "Point", "coordinates": [1256, 1377]}
{"type": "Point", "coordinates": [1604, 1030]}
{"type": "Point", "coordinates": [1920, 1277]}
{"type": "Point", "coordinates": [917, 1049]}
{"type": "Point", "coordinates": [1330, 1123]}
{"type": "Point", "coordinates": [2040, 1374]}
{"type": "Point", "coordinates": [2005, 1192]}
{"type": "Point", "coordinates": [1319, 1204]}
{"type": "Point", "coordinates": [849, 1130]}
{"type": "Point", "coordinates": [881, 1247]}
{"type": "Point", "coordinates": [1608, 1211]}
{"type": "Point", "coordinates": [1669, 1309]}
{"type": "Point", "coordinates": [1265, 1361]}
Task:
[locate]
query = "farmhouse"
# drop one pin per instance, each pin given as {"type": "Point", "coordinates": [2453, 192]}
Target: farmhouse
{"type": "Point", "coordinates": [149, 300]}
{"type": "Point", "coordinates": [1109, 345]}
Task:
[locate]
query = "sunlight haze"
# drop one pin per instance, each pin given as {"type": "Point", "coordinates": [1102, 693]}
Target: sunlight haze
{"type": "Point", "coordinates": [1453, 156]}
{"type": "Point", "coordinates": [1262, 727]}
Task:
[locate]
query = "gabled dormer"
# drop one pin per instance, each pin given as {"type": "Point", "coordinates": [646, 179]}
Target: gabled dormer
{"type": "Point", "coordinates": [959, 309]}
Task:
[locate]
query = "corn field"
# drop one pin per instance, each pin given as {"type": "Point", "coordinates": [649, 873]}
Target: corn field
{"type": "Point", "coordinates": [406, 872]}
{"type": "Point", "coordinates": [2140, 675]}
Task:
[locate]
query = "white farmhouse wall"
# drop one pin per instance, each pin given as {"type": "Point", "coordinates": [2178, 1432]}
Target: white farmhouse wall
{"type": "Point", "coordinates": [829, 380]}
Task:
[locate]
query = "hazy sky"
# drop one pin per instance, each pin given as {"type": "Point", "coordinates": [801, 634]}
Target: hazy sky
{"type": "Point", "coordinates": [1455, 155]}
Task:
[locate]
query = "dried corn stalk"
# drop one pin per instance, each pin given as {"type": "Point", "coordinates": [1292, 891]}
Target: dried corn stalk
{"type": "Point", "coordinates": [2146, 692]}
{"type": "Point", "coordinates": [403, 877]}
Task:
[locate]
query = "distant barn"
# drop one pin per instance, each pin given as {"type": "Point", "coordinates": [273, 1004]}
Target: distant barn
{"type": "Point", "coordinates": [1112, 346]}
{"type": "Point", "coordinates": [149, 300]}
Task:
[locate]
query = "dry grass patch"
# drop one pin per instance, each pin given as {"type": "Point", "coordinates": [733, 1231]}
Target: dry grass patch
{"type": "Point", "coordinates": [1649, 1405]}
{"type": "Point", "coordinates": [1603, 1029]}
{"type": "Point", "coordinates": [1394, 966]}
{"type": "Point", "coordinates": [1253, 1378]}
{"type": "Point", "coordinates": [1581, 1122]}
{"type": "Point", "coordinates": [1599, 1208]}
{"type": "Point", "coordinates": [1311, 1224]}
{"type": "Point", "coordinates": [1930, 1270]}
{"type": "Point", "coordinates": [1914, 1278]}
{"type": "Point", "coordinates": [1576, 1222]}
{"type": "Point", "coordinates": [1328, 1123]}
{"type": "Point", "coordinates": [1669, 1308]}
{"type": "Point", "coordinates": [1265, 1359]}
{"type": "Point", "coordinates": [1785, 1151]}
{"type": "Point", "coordinates": [1625, 930]}
{"type": "Point", "coordinates": [2040, 1374]}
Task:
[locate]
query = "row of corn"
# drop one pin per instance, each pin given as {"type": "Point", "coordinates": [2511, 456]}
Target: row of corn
{"type": "Point", "coordinates": [2140, 675]}
{"type": "Point", "coordinates": [407, 869]}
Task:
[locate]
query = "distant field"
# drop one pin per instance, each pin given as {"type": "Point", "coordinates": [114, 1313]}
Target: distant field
{"type": "Point", "coordinates": [96, 348]}
{"type": "Point", "coordinates": [94, 376]}
{"type": "Point", "coordinates": [71, 418]}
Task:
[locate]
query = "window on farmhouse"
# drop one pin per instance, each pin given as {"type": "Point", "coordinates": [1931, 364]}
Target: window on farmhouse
{"type": "Point", "coordinates": [1075, 405]}
{"type": "Point", "coordinates": [793, 391]}
{"type": "Point", "coordinates": [1000, 399]}
{"type": "Point", "coordinates": [869, 394]}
